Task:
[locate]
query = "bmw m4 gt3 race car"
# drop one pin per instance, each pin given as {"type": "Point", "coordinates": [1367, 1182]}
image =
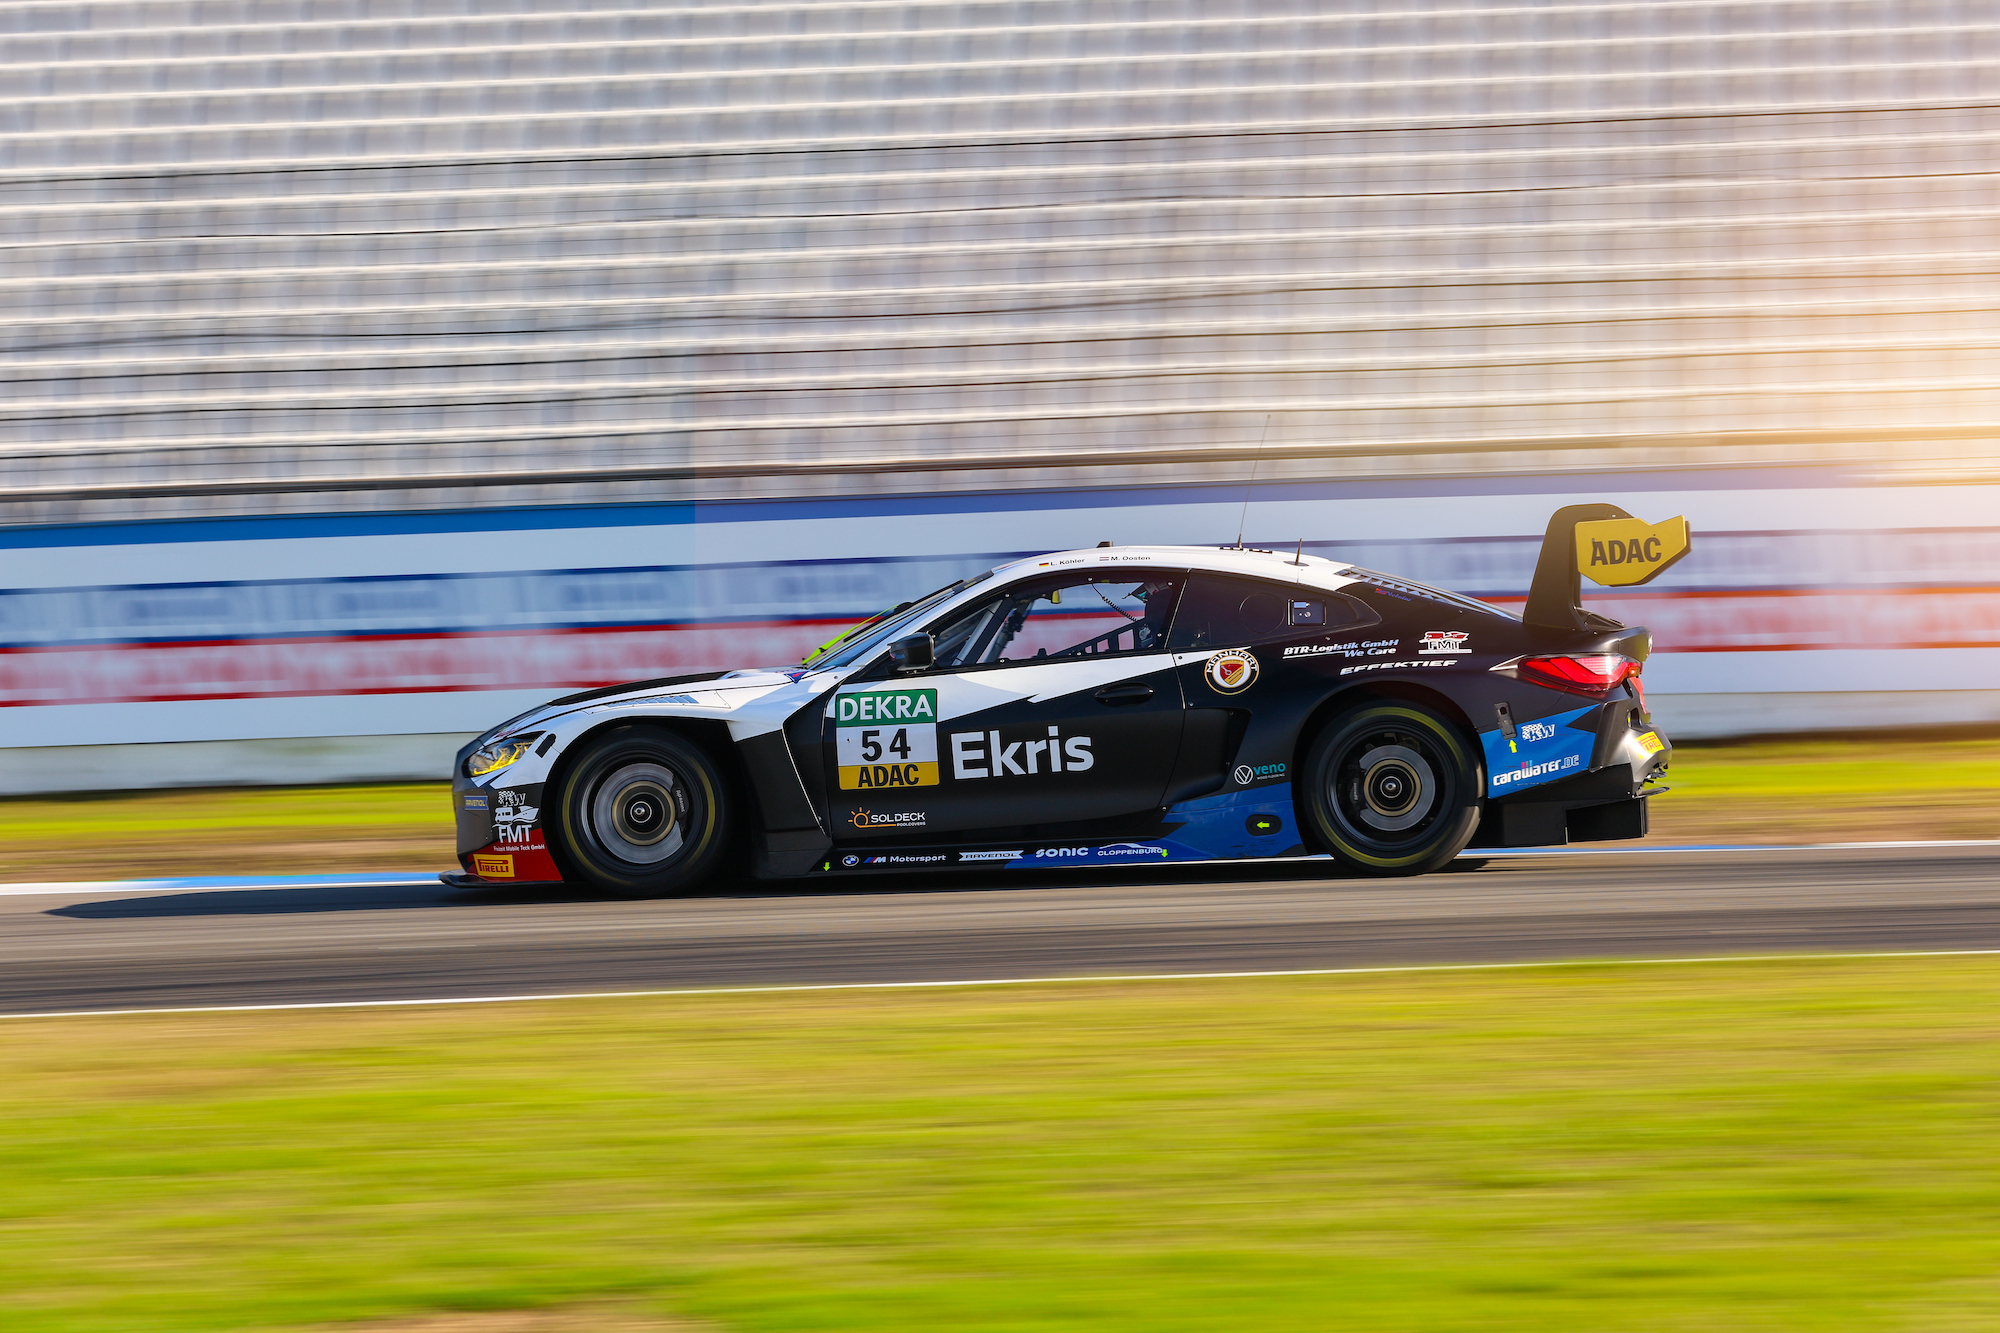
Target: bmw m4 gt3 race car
{"type": "Point", "coordinates": [1138, 704]}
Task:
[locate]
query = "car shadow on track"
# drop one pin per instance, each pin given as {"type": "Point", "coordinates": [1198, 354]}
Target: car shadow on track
{"type": "Point", "coordinates": [305, 900]}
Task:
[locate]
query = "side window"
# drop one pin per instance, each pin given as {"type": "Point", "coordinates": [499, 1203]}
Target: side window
{"type": "Point", "coordinates": [1219, 611]}
{"type": "Point", "coordinates": [1076, 615]}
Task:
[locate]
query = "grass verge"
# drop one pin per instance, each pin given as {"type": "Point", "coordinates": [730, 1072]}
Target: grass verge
{"type": "Point", "coordinates": [1753, 1146]}
{"type": "Point", "coordinates": [1836, 788]}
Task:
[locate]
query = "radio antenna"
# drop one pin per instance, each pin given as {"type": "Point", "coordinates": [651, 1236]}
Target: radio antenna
{"type": "Point", "coordinates": [1254, 461]}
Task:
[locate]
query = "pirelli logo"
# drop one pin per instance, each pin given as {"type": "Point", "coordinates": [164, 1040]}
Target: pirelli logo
{"type": "Point", "coordinates": [493, 867]}
{"type": "Point", "coordinates": [886, 738]}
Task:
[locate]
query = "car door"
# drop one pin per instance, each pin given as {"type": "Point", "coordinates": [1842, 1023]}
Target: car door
{"type": "Point", "coordinates": [1230, 640]}
{"type": "Point", "coordinates": [1052, 701]}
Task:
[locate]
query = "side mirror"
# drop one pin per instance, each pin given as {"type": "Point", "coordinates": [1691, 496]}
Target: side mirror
{"type": "Point", "coordinates": [916, 653]}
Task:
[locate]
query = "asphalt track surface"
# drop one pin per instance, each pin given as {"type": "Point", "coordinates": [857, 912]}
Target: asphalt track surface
{"type": "Point", "coordinates": [85, 947]}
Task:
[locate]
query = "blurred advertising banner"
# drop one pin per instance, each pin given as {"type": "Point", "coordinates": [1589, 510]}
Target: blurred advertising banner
{"type": "Point", "coordinates": [1800, 583]}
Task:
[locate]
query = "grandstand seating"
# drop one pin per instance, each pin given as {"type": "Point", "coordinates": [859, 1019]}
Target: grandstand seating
{"type": "Point", "coordinates": [306, 254]}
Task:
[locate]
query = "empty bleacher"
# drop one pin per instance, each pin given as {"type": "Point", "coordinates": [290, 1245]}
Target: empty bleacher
{"type": "Point", "coordinates": [314, 254]}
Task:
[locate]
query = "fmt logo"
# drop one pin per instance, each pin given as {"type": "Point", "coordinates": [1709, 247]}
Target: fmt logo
{"type": "Point", "coordinates": [982, 754]}
{"type": "Point", "coordinates": [1444, 641]}
{"type": "Point", "coordinates": [514, 819]}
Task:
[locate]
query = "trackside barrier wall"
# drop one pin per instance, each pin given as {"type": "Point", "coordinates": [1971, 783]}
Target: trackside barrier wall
{"type": "Point", "coordinates": [369, 646]}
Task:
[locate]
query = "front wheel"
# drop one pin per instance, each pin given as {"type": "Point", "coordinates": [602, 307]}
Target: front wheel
{"type": "Point", "coordinates": [641, 813]}
{"type": "Point", "coordinates": [1392, 789]}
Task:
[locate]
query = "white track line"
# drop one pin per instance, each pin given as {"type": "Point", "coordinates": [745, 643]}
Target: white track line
{"type": "Point", "coordinates": [1014, 981]}
{"type": "Point", "coordinates": [226, 884]}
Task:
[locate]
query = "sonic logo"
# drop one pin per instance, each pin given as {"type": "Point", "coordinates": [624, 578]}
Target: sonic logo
{"type": "Point", "coordinates": [1230, 672]}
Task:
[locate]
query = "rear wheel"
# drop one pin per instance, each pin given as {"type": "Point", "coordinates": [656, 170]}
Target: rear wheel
{"type": "Point", "coordinates": [642, 813]}
{"type": "Point", "coordinates": [1392, 789]}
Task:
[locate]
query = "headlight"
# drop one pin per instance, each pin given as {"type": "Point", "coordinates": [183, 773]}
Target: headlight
{"type": "Point", "coordinates": [499, 754]}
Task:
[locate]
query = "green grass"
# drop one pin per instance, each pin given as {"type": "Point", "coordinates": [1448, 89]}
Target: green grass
{"type": "Point", "coordinates": [1749, 1146]}
{"type": "Point", "coordinates": [397, 806]}
{"type": "Point", "coordinates": [300, 830]}
{"type": "Point", "coordinates": [1842, 787]}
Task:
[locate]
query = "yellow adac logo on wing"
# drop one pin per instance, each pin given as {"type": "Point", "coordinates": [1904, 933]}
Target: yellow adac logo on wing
{"type": "Point", "coordinates": [1621, 552]}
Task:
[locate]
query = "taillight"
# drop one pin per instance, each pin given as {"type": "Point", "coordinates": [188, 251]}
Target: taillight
{"type": "Point", "coordinates": [1591, 673]}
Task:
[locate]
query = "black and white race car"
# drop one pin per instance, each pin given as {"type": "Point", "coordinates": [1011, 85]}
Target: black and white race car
{"type": "Point", "coordinates": [1128, 704]}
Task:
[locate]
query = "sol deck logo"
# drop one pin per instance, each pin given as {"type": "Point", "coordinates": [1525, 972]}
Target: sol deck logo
{"type": "Point", "coordinates": [1444, 641]}
{"type": "Point", "coordinates": [1230, 672]}
{"type": "Point", "coordinates": [493, 867]}
{"type": "Point", "coordinates": [886, 738]}
{"type": "Point", "coordinates": [894, 819]}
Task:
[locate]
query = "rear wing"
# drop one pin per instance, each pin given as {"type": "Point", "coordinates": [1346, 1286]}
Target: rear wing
{"type": "Point", "coordinates": [1606, 543]}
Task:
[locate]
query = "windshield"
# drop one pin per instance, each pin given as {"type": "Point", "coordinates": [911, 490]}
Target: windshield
{"type": "Point", "coordinates": [870, 634]}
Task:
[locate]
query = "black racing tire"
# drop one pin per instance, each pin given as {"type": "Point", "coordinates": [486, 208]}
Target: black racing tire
{"type": "Point", "coordinates": [641, 813]}
{"type": "Point", "coordinates": [1391, 789]}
